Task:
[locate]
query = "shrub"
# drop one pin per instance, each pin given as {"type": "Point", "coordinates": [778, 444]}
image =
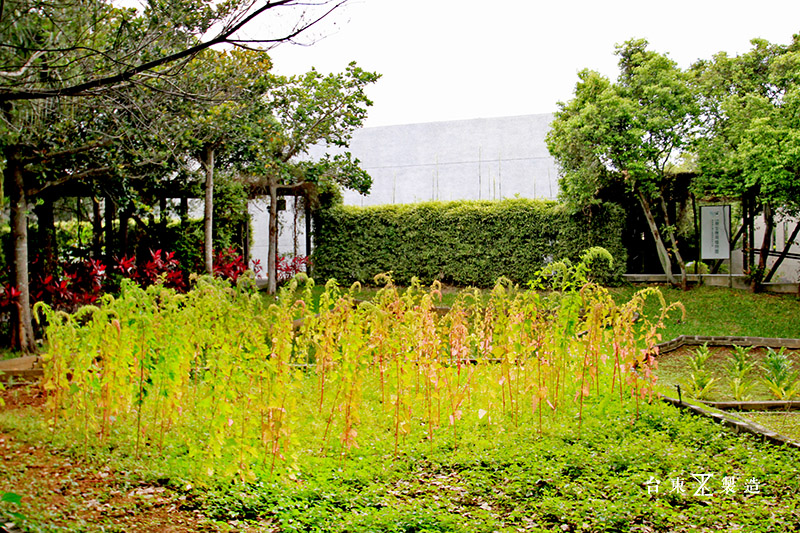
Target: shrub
{"type": "Point", "coordinates": [288, 267]}
{"type": "Point", "coordinates": [462, 243]}
{"type": "Point", "coordinates": [740, 368]}
{"type": "Point", "coordinates": [700, 384]}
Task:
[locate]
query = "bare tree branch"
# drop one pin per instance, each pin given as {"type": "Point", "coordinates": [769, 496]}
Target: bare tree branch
{"type": "Point", "coordinates": [24, 67]}
{"type": "Point", "coordinates": [224, 36]}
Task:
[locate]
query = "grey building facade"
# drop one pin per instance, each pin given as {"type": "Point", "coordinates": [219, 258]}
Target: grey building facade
{"type": "Point", "coordinates": [478, 159]}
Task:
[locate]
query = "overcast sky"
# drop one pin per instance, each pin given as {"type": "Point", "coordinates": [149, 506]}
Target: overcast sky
{"type": "Point", "coordinates": [463, 59]}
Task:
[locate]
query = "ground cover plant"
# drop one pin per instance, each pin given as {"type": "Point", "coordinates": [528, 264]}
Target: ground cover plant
{"type": "Point", "coordinates": [618, 476]}
{"type": "Point", "coordinates": [517, 409]}
{"type": "Point", "coordinates": [784, 422]}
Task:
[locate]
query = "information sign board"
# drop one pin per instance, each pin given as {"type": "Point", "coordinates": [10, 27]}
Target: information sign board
{"type": "Point", "coordinates": [715, 232]}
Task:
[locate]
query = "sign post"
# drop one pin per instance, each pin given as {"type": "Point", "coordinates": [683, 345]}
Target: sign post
{"type": "Point", "coordinates": [715, 233]}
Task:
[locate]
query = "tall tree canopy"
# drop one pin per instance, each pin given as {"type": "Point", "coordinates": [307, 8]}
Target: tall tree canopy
{"type": "Point", "coordinates": [630, 132]}
{"type": "Point", "coordinates": [227, 90]}
{"type": "Point", "coordinates": [57, 48]}
{"type": "Point", "coordinates": [300, 112]}
{"type": "Point", "coordinates": [262, 125]}
{"type": "Point", "coordinates": [749, 143]}
{"type": "Point", "coordinates": [80, 82]}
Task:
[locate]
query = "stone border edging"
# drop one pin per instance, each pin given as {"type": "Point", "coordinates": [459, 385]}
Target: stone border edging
{"type": "Point", "coordinates": [739, 426]}
{"type": "Point", "coordinates": [28, 367]}
{"type": "Point", "coordinates": [31, 374]}
{"type": "Point", "coordinates": [735, 281]}
{"type": "Point", "coordinates": [699, 340]}
{"type": "Point", "coordinates": [770, 405]}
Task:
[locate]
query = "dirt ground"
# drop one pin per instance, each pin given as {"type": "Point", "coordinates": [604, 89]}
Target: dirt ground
{"type": "Point", "coordinates": [65, 493]}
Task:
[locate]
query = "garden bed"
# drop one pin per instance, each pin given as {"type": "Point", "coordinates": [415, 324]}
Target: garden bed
{"type": "Point", "coordinates": [761, 408]}
{"type": "Point", "coordinates": [523, 411]}
{"type": "Point", "coordinates": [617, 477]}
{"type": "Point", "coordinates": [673, 369]}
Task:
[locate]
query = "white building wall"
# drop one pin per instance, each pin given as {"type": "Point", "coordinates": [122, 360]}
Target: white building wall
{"type": "Point", "coordinates": [480, 159]}
{"type": "Point", "coordinates": [789, 271]}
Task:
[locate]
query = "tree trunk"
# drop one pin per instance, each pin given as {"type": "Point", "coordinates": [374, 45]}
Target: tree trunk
{"type": "Point", "coordinates": [47, 237]}
{"type": "Point", "coordinates": [97, 229]}
{"type": "Point", "coordinates": [784, 253]}
{"type": "Point", "coordinates": [246, 241]}
{"type": "Point", "coordinates": [163, 218]}
{"type": "Point", "coordinates": [663, 254]}
{"type": "Point", "coordinates": [208, 212]}
{"type": "Point", "coordinates": [308, 235]}
{"type": "Point", "coordinates": [757, 277]}
{"type": "Point", "coordinates": [124, 219]}
{"type": "Point", "coordinates": [184, 212]}
{"type": "Point", "coordinates": [110, 214]}
{"type": "Point", "coordinates": [272, 251]}
{"type": "Point", "coordinates": [674, 242]}
{"type": "Point", "coordinates": [749, 243]}
{"type": "Point", "coordinates": [15, 188]}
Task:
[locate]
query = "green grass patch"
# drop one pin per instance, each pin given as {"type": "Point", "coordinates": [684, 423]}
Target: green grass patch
{"type": "Point", "coordinates": [786, 423]}
{"type": "Point", "coordinates": [721, 311]}
{"type": "Point", "coordinates": [674, 369]}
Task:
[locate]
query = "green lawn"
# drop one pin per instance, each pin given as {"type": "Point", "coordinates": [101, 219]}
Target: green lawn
{"type": "Point", "coordinates": [724, 311]}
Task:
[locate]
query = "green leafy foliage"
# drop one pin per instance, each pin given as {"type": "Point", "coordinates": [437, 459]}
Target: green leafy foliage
{"type": "Point", "coordinates": [11, 502]}
{"type": "Point", "coordinates": [748, 142]}
{"type": "Point", "coordinates": [600, 266]}
{"type": "Point", "coordinates": [218, 384]}
{"type": "Point", "coordinates": [463, 243]}
{"type": "Point", "coordinates": [510, 481]}
{"type": "Point", "coordinates": [747, 146]}
{"type": "Point", "coordinates": [740, 368]}
{"type": "Point", "coordinates": [624, 136]}
{"type": "Point", "coordinates": [779, 376]}
{"type": "Point", "coordinates": [11, 498]}
{"type": "Point", "coordinates": [700, 383]}
{"type": "Point", "coordinates": [496, 448]}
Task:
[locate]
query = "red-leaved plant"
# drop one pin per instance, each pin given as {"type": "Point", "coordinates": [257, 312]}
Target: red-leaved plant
{"type": "Point", "coordinates": [229, 265]}
{"type": "Point", "coordinates": [9, 296]}
{"type": "Point", "coordinates": [82, 282]}
{"type": "Point", "coordinates": [289, 267]}
{"type": "Point", "coordinates": [161, 264]}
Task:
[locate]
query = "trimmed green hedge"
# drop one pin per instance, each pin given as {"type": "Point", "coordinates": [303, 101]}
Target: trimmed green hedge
{"type": "Point", "coordinates": [460, 243]}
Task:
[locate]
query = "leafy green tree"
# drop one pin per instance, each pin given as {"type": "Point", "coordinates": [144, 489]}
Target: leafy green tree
{"type": "Point", "coordinates": [300, 112]}
{"type": "Point", "coordinates": [749, 145]}
{"type": "Point", "coordinates": [61, 48]}
{"type": "Point", "coordinates": [628, 133]}
{"type": "Point", "coordinates": [227, 89]}
{"type": "Point", "coordinates": [72, 76]}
